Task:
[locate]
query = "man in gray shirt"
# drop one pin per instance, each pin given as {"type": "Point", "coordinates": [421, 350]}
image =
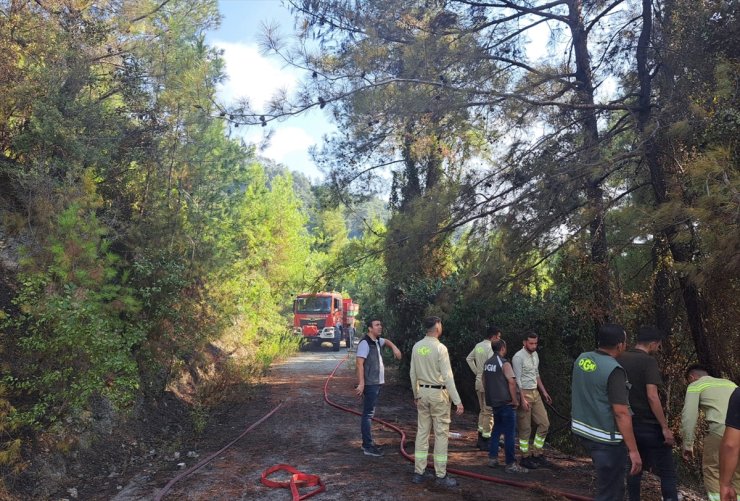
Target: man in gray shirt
{"type": "Point", "coordinates": [526, 365]}
{"type": "Point", "coordinates": [370, 375]}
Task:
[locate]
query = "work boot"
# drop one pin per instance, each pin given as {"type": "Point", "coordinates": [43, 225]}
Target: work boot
{"type": "Point", "coordinates": [486, 444]}
{"type": "Point", "coordinates": [482, 443]}
{"type": "Point", "coordinates": [446, 481]}
{"type": "Point", "coordinates": [420, 478]}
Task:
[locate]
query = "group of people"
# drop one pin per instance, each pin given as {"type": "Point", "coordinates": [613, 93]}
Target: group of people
{"type": "Point", "coordinates": [511, 395]}
{"type": "Point", "coordinates": [616, 409]}
{"type": "Point", "coordinates": [617, 413]}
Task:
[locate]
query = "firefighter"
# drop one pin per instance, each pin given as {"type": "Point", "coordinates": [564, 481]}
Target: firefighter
{"type": "Point", "coordinates": [476, 359]}
{"type": "Point", "coordinates": [433, 386]}
{"type": "Point", "coordinates": [711, 395]}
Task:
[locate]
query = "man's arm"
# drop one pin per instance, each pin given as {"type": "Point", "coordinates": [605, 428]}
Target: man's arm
{"type": "Point", "coordinates": [624, 425]}
{"type": "Point", "coordinates": [470, 359]}
{"type": "Point", "coordinates": [396, 351]}
{"type": "Point", "coordinates": [511, 380]}
{"type": "Point", "coordinates": [657, 408]}
{"type": "Point", "coordinates": [446, 370]}
{"type": "Point", "coordinates": [729, 451]}
{"type": "Point", "coordinates": [517, 364]}
{"type": "Point", "coordinates": [689, 416]}
{"type": "Point", "coordinates": [543, 391]}
{"type": "Point", "coordinates": [412, 376]}
{"type": "Point", "coordinates": [360, 370]}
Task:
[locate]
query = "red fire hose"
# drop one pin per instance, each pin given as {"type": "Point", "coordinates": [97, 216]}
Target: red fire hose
{"type": "Point", "coordinates": [462, 473]}
{"type": "Point", "coordinates": [299, 479]}
{"type": "Point", "coordinates": [210, 458]}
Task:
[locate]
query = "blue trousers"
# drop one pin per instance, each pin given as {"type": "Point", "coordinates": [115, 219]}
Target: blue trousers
{"type": "Point", "coordinates": [609, 460]}
{"type": "Point", "coordinates": [370, 399]}
{"type": "Point", "coordinates": [656, 456]}
{"type": "Point", "coordinates": [504, 422]}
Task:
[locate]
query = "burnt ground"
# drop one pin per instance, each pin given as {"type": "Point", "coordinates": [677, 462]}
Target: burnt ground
{"type": "Point", "coordinates": [316, 438]}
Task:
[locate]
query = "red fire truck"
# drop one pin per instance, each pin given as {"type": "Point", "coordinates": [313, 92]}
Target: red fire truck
{"type": "Point", "coordinates": [324, 316]}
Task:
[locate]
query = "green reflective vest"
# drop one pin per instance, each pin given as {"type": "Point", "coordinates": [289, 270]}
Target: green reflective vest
{"type": "Point", "coordinates": [591, 412]}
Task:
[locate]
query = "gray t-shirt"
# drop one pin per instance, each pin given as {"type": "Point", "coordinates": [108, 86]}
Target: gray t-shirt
{"type": "Point", "coordinates": [363, 350]}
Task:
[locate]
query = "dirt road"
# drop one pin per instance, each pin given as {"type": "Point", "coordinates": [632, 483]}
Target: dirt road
{"type": "Point", "coordinates": [319, 439]}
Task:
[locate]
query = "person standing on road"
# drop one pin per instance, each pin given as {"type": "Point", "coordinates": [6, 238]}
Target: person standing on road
{"type": "Point", "coordinates": [710, 395]}
{"type": "Point", "coordinates": [476, 359]}
{"type": "Point", "coordinates": [499, 386]}
{"type": "Point", "coordinates": [654, 437]}
{"type": "Point", "coordinates": [526, 363]}
{"type": "Point", "coordinates": [370, 376]}
{"type": "Point", "coordinates": [601, 413]}
{"type": "Point", "coordinates": [729, 452]}
{"type": "Point", "coordinates": [433, 386]}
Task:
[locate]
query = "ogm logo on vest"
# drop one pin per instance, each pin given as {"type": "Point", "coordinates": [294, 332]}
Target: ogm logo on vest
{"type": "Point", "coordinates": [587, 365]}
{"type": "Point", "coordinates": [424, 351]}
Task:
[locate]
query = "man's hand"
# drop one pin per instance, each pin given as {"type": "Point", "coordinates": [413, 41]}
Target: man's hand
{"type": "Point", "coordinates": [688, 454]}
{"type": "Point", "coordinates": [636, 461]}
{"type": "Point", "coordinates": [515, 404]}
{"type": "Point", "coordinates": [459, 409]}
{"type": "Point", "coordinates": [547, 398]}
{"type": "Point", "coordinates": [668, 437]}
{"type": "Point", "coordinates": [397, 353]}
{"type": "Point", "coordinates": [727, 493]}
{"type": "Point", "coordinates": [524, 404]}
{"type": "Point", "coordinates": [360, 389]}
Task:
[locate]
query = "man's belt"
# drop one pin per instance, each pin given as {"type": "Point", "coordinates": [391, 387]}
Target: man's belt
{"type": "Point", "coordinates": [435, 386]}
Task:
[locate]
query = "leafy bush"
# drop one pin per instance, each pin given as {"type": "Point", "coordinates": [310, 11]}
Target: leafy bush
{"type": "Point", "coordinates": [74, 325]}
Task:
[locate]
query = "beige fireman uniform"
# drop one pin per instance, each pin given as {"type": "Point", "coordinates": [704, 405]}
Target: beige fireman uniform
{"type": "Point", "coordinates": [711, 395]}
{"type": "Point", "coordinates": [476, 359]}
{"type": "Point", "coordinates": [433, 386]}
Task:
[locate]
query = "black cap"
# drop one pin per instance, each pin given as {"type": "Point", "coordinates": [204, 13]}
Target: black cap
{"type": "Point", "coordinates": [648, 333]}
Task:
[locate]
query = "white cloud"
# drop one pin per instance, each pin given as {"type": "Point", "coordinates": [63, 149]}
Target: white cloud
{"type": "Point", "coordinates": [252, 75]}
{"type": "Point", "coordinates": [286, 141]}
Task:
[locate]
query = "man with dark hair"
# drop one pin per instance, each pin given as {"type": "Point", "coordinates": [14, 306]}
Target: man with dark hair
{"type": "Point", "coordinates": [601, 413]}
{"type": "Point", "coordinates": [652, 434]}
{"type": "Point", "coordinates": [370, 376]}
{"type": "Point", "coordinates": [476, 359]}
{"type": "Point", "coordinates": [433, 386]}
{"type": "Point", "coordinates": [526, 365]}
{"type": "Point", "coordinates": [501, 394]}
{"type": "Point", "coordinates": [729, 451]}
{"type": "Point", "coordinates": [710, 395]}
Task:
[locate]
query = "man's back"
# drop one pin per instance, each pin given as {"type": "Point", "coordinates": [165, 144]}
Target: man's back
{"type": "Point", "coordinates": [642, 369]}
{"type": "Point", "coordinates": [710, 394]}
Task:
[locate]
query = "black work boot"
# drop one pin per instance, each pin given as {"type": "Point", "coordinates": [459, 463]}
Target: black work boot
{"type": "Point", "coordinates": [479, 444]}
{"type": "Point", "coordinates": [486, 445]}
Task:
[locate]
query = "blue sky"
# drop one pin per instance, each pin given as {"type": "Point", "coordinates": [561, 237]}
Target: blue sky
{"type": "Point", "coordinates": [257, 77]}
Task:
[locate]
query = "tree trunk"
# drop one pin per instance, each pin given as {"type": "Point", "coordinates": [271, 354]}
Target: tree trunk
{"type": "Point", "coordinates": [592, 158]}
{"type": "Point", "coordinates": [661, 180]}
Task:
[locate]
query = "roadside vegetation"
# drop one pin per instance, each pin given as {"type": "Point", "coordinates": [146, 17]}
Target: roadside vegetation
{"type": "Point", "coordinates": [146, 249]}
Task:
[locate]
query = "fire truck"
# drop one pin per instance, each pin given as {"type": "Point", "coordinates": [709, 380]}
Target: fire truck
{"type": "Point", "coordinates": [324, 316]}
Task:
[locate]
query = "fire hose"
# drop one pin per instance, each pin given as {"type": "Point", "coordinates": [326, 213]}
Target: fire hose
{"type": "Point", "coordinates": [210, 458]}
{"type": "Point", "coordinates": [462, 473]}
{"type": "Point", "coordinates": [299, 479]}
